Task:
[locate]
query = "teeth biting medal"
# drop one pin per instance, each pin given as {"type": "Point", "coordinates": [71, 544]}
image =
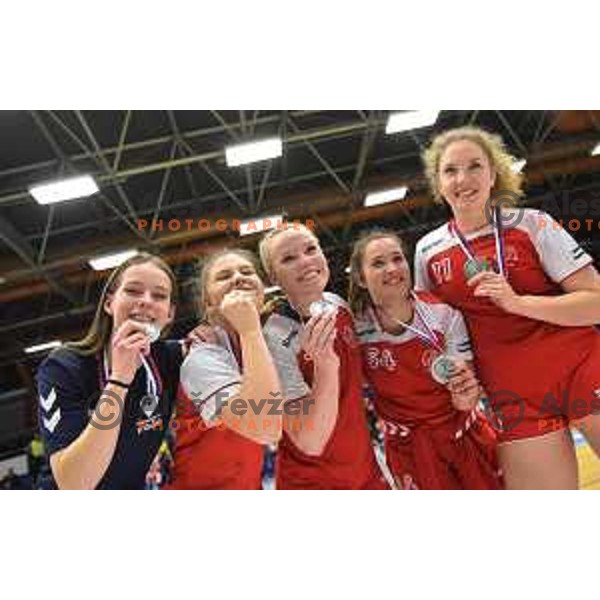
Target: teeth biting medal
{"type": "Point", "coordinates": [152, 330]}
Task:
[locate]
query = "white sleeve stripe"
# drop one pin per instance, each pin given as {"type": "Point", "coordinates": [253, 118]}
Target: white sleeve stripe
{"type": "Point", "coordinates": [576, 269]}
{"type": "Point", "coordinates": [199, 398]}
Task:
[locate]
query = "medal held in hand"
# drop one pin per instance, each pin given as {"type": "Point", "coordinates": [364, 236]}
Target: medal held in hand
{"type": "Point", "coordinates": [321, 307]}
{"type": "Point", "coordinates": [152, 330]}
{"type": "Point", "coordinates": [442, 369]}
{"type": "Point", "coordinates": [474, 266]}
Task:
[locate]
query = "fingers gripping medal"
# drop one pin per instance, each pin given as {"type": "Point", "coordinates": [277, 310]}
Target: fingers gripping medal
{"type": "Point", "coordinates": [152, 330]}
{"type": "Point", "coordinates": [475, 265]}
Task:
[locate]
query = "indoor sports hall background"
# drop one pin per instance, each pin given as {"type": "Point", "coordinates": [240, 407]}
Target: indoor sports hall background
{"type": "Point", "coordinates": [166, 184]}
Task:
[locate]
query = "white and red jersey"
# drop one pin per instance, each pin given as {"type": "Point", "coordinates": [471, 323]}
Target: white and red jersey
{"type": "Point", "coordinates": [539, 256]}
{"type": "Point", "coordinates": [208, 455]}
{"type": "Point", "coordinates": [348, 461]}
{"type": "Point", "coordinates": [398, 367]}
{"type": "Point", "coordinates": [428, 443]}
{"type": "Point", "coordinates": [508, 348]}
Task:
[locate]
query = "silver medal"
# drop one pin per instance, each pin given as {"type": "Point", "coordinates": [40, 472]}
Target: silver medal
{"type": "Point", "coordinates": [474, 266]}
{"type": "Point", "coordinates": [321, 307]}
{"type": "Point", "coordinates": [152, 330]}
{"type": "Point", "coordinates": [442, 368]}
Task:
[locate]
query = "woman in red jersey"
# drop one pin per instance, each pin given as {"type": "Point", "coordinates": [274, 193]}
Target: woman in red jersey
{"type": "Point", "coordinates": [326, 445]}
{"type": "Point", "coordinates": [530, 296]}
{"type": "Point", "coordinates": [222, 423]}
{"type": "Point", "coordinates": [417, 358]}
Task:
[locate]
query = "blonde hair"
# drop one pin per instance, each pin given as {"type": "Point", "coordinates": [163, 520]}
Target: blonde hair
{"type": "Point", "coordinates": [494, 148]}
{"type": "Point", "coordinates": [100, 330]}
{"type": "Point", "coordinates": [206, 268]}
{"type": "Point", "coordinates": [358, 296]}
{"type": "Point", "coordinates": [264, 248]}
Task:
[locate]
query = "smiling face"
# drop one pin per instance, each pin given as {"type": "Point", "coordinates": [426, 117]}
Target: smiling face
{"type": "Point", "coordinates": [143, 295]}
{"type": "Point", "coordinates": [231, 272]}
{"type": "Point", "coordinates": [385, 272]}
{"type": "Point", "coordinates": [299, 266]}
{"type": "Point", "coordinates": [465, 177]}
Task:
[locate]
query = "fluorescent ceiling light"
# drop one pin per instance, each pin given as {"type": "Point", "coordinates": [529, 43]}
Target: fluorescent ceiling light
{"type": "Point", "coordinates": [386, 196]}
{"type": "Point", "coordinates": [596, 150]}
{"type": "Point", "coordinates": [519, 165]}
{"type": "Point", "coordinates": [244, 154]}
{"type": "Point", "coordinates": [43, 347]}
{"type": "Point", "coordinates": [111, 261]}
{"type": "Point", "coordinates": [261, 224]}
{"type": "Point", "coordinates": [411, 119]}
{"type": "Point", "coordinates": [64, 189]}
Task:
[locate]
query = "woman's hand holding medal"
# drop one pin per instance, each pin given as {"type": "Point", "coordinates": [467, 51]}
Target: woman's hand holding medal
{"type": "Point", "coordinates": [464, 386]}
{"type": "Point", "coordinates": [129, 344]}
{"type": "Point", "coordinates": [495, 287]}
{"type": "Point", "coordinates": [240, 310]}
{"type": "Point", "coordinates": [318, 336]}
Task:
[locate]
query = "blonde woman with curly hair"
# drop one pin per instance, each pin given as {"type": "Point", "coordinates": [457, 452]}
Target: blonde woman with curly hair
{"type": "Point", "coordinates": [530, 295]}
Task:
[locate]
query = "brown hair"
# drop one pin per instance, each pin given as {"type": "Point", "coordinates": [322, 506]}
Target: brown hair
{"type": "Point", "coordinates": [101, 328]}
{"type": "Point", "coordinates": [358, 296]}
{"type": "Point", "coordinates": [492, 145]}
{"type": "Point", "coordinates": [206, 266]}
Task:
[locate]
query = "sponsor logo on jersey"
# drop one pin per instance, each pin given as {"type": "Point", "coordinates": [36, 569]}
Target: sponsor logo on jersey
{"type": "Point", "coordinates": [432, 245]}
{"type": "Point", "coordinates": [511, 255]}
{"type": "Point", "coordinates": [47, 404]}
{"type": "Point", "coordinates": [51, 423]}
{"type": "Point", "coordinates": [152, 424]}
{"type": "Point", "coordinates": [148, 404]}
{"type": "Point", "coordinates": [428, 357]}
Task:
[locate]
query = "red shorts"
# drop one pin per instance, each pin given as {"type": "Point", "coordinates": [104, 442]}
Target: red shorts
{"type": "Point", "coordinates": [546, 398]}
{"type": "Point", "coordinates": [436, 458]}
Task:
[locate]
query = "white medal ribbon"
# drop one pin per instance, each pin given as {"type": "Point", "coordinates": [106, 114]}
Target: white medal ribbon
{"type": "Point", "coordinates": [151, 384]}
{"type": "Point", "coordinates": [464, 244]}
{"type": "Point", "coordinates": [427, 336]}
